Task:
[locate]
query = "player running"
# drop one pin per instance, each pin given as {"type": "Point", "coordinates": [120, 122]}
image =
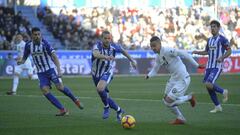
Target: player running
{"type": "Point", "coordinates": [217, 48]}
{"type": "Point", "coordinates": [103, 55]}
{"type": "Point", "coordinates": [176, 87]}
{"type": "Point", "coordinates": [46, 61]}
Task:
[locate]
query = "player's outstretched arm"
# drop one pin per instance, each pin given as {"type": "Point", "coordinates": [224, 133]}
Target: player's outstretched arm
{"type": "Point", "coordinates": [185, 55]}
{"type": "Point", "coordinates": [200, 52]}
{"type": "Point", "coordinates": [57, 63]}
{"type": "Point", "coordinates": [133, 62]}
{"type": "Point", "coordinates": [155, 69]}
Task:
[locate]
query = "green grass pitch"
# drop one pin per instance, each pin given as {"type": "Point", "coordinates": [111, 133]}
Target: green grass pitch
{"type": "Point", "coordinates": [29, 113]}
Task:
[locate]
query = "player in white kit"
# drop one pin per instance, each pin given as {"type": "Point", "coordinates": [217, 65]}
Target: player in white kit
{"type": "Point", "coordinates": [170, 59]}
{"type": "Point", "coordinates": [18, 69]}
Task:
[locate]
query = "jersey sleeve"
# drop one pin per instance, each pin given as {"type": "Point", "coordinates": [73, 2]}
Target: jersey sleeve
{"type": "Point", "coordinates": [49, 48]}
{"type": "Point", "coordinates": [225, 43]}
{"type": "Point", "coordinates": [118, 48]}
{"type": "Point", "coordinates": [185, 55]}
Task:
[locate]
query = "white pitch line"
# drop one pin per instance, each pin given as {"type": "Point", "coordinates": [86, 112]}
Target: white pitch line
{"type": "Point", "coordinates": [122, 99]}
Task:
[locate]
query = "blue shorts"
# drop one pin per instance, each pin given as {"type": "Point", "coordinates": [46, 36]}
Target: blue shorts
{"type": "Point", "coordinates": [107, 76]}
{"type": "Point", "coordinates": [47, 77]}
{"type": "Point", "coordinates": [211, 75]}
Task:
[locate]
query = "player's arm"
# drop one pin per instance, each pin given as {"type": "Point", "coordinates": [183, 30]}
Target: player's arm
{"type": "Point", "coordinates": [133, 62]}
{"type": "Point", "coordinates": [155, 69]}
{"type": "Point", "coordinates": [57, 63]}
{"type": "Point", "coordinates": [26, 53]}
{"type": "Point", "coordinates": [200, 52]}
{"type": "Point", "coordinates": [227, 54]}
{"type": "Point", "coordinates": [185, 55]}
{"type": "Point", "coordinates": [98, 55]}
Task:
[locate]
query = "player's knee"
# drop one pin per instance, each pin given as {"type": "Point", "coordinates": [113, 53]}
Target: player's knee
{"type": "Point", "coordinates": [167, 101]}
{"type": "Point", "coordinates": [45, 90]}
{"type": "Point", "coordinates": [60, 87]}
{"type": "Point", "coordinates": [209, 85]}
{"type": "Point", "coordinates": [100, 88]}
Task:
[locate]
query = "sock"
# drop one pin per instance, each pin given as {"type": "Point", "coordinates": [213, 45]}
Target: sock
{"type": "Point", "coordinates": [113, 105]}
{"type": "Point", "coordinates": [54, 101]}
{"type": "Point", "coordinates": [182, 99]}
{"type": "Point", "coordinates": [15, 83]}
{"type": "Point", "coordinates": [177, 112]}
{"type": "Point", "coordinates": [68, 93]}
{"type": "Point", "coordinates": [104, 97]}
{"type": "Point", "coordinates": [213, 96]}
{"type": "Point", "coordinates": [218, 89]}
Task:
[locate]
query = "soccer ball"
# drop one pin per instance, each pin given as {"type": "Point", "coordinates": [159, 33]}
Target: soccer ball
{"type": "Point", "coordinates": [128, 122]}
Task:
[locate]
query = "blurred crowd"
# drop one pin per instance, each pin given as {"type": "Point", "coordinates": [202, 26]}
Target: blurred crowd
{"type": "Point", "coordinates": [183, 28]}
{"type": "Point", "coordinates": [10, 24]}
{"type": "Point", "coordinates": [78, 29]}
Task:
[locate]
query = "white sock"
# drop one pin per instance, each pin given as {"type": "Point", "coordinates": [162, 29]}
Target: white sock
{"type": "Point", "coordinates": [34, 77]}
{"type": "Point", "coordinates": [15, 83]}
{"type": "Point", "coordinates": [182, 99]}
{"type": "Point", "coordinates": [177, 112]}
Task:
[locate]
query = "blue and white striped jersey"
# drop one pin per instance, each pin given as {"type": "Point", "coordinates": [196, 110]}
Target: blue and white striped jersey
{"type": "Point", "coordinates": [216, 47]}
{"type": "Point", "coordinates": [41, 55]}
{"type": "Point", "coordinates": [100, 66]}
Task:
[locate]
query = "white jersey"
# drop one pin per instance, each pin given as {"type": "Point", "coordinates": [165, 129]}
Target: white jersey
{"type": "Point", "coordinates": [20, 52]}
{"type": "Point", "coordinates": [169, 58]}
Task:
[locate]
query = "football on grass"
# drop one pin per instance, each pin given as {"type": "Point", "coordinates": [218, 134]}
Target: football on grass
{"type": "Point", "coordinates": [128, 122]}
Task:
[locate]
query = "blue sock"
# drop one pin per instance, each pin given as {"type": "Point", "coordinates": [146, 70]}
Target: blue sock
{"type": "Point", "coordinates": [104, 97]}
{"type": "Point", "coordinates": [213, 96]}
{"type": "Point", "coordinates": [68, 93]}
{"type": "Point", "coordinates": [218, 89]}
{"type": "Point", "coordinates": [112, 104]}
{"type": "Point", "coordinates": [54, 101]}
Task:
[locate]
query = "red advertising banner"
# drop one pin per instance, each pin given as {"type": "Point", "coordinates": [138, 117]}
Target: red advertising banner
{"type": "Point", "coordinates": [231, 64]}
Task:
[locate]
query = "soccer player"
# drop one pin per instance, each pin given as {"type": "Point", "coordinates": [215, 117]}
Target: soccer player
{"type": "Point", "coordinates": [46, 61]}
{"type": "Point", "coordinates": [217, 49]}
{"type": "Point", "coordinates": [170, 59]}
{"type": "Point", "coordinates": [103, 55]}
{"type": "Point", "coordinates": [18, 69]}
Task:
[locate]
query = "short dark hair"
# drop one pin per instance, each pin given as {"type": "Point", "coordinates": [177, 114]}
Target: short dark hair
{"type": "Point", "coordinates": [154, 38]}
{"type": "Point", "coordinates": [215, 22]}
{"type": "Point", "coordinates": [105, 32]}
{"type": "Point", "coordinates": [35, 29]}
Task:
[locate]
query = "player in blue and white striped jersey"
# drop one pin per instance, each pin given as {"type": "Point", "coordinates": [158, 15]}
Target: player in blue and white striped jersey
{"type": "Point", "coordinates": [103, 55]}
{"type": "Point", "coordinates": [46, 60]}
{"type": "Point", "coordinates": [217, 49]}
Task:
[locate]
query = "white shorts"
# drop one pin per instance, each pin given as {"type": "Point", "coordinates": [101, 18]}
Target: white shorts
{"type": "Point", "coordinates": [27, 66]}
{"type": "Point", "coordinates": [177, 88]}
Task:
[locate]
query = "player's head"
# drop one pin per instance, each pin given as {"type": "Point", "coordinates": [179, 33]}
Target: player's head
{"type": "Point", "coordinates": [36, 35]}
{"type": "Point", "coordinates": [18, 38]}
{"type": "Point", "coordinates": [106, 38]}
{"type": "Point", "coordinates": [155, 44]}
{"type": "Point", "coordinates": [215, 27]}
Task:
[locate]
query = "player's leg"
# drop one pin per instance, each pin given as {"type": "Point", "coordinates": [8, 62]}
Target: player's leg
{"type": "Point", "coordinates": [181, 87]}
{"type": "Point", "coordinates": [217, 88]}
{"type": "Point", "coordinates": [45, 85]}
{"type": "Point", "coordinates": [210, 79]}
{"type": "Point", "coordinates": [65, 90]}
{"type": "Point", "coordinates": [175, 110]}
{"type": "Point", "coordinates": [30, 73]}
{"type": "Point", "coordinates": [15, 82]}
{"type": "Point", "coordinates": [169, 99]}
{"type": "Point", "coordinates": [115, 106]}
